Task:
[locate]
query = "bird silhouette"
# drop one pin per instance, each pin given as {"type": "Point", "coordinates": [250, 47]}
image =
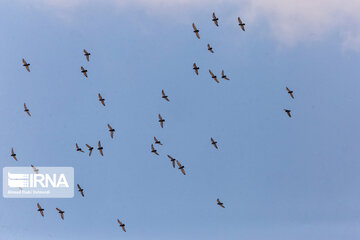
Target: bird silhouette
{"type": "Point", "coordinates": [26, 65]}
{"type": "Point", "coordinates": [78, 149]}
{"type": "Point", "coordinates": [210, 48]}
{"type": "Point", "coordinates": [84, 71]}
{"type": "Point", "coordinates": [122, 225]}
{"type": "Point", "coordinates": [290, 92]}
{"type": "Point", "coordinates": [220, 203]}
{"type": "Point", "coordinates": [241, 24]}
{"type": "Point", "coordinates": [196, 31]}
{"type": "Point", "coordinates": [214, 143]}
{"type": "Point", "coordinates": [215, 19]}
{"type": "Point", "coordinates": [164, 96]}
{"type": "Point", "coordinates": [223, 76]}
{"type": "Point", "coordinates": [90, 149]}
{"type": "Point", "coordinates": [61, 213]}
{"type": "Point", "coordinates": [102, 100]}
{"type": "Point", "coordinates": [87, 55]}
{"type": "Point", "coordinates": [26, 110]}
{"type": "Point", "coordinates": [196, 69]}
{"type": "Point", "coordinates": [181, 167]}
{"type": "Point", "coordinates": [161, 121]}
{"type": "Point", "coordinates": [157, 141]}
{"type": "Point", "coordinates": [100, 148]}
{"type": "Point", "coordinates": [81, 190]}
{"type": "Point", "coordinates": [111, 130]}
{"type": "Point", "coordinates": [288, 112]}
{"type": "Point", "coordinates": [40, 209]}
{"type": "Point", "coordinates": [153, 150]}
{"type": "Point", "coordinates": [13, 154]}
{"type": "Point", "coordinates": [213, 76]}
{"type": "Point", "coordinates": [172, 160]}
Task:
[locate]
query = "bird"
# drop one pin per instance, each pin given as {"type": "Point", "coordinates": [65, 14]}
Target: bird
{"type": "Point", "coordinates": [122, 225]}
{"type": "Point", "coordinates": [241, 24]}
{"type": "Point", "coordinates": [161, 121]}
{"type": "Point", "coordinates": [35, 169]}
{"type": "Point", "coordinates": [220, 203]}
{"type": "Point", "coordinates": [210, 48]}
{"type": "Point", "coordinates": [224, 76]}
{"type": "Point", "coordinates": [87, 55]}
{"type": "Point", "coordinates": [214, 143]}
{"type": "Point", "coordinates": [111, 130]}
{"type": "Point", "coordinates": [172, 160]}
{"type": "Point", "coordinates": [157, 141]}
{"type": "Point", "coordinates": [100, 148]}
{"type": "Point", "coordinates": [26, 110]}
{"type": "Point", "coordinates": [290, 92]}
{"type": "Point", "coordinates": [164, 96]}
{"type": "Point", "coordinates": [81, 190]}
{"type": "Point", "coordinates": [102, 100]}
{"type": "Point", "coordinates": [84, 71]}
{"type": "Point", "coordinates": [181, 167]}
{"type": "Point", "coordinates": [78, 149]}
{"type": "Point", "coordinates": [26, 65]}
{"type": "Point", "coordinates": [13, 154]}
{"type": "Point", "coordinates": [196, 31]}
{"type": "Point", "coordinates": [196, 68]}
{"type": "Point", "coordinates": [61, 213]}
{"type": "Point", "coordinates": [153, 150]}
{"type": "Point", "coordinates": [40, 209]}
{"type": "Point", "coordinates": [213, 76]}
{"type": "Point", "coordinates": [288, 112]}
{"type": "Point", "coordinates": [215, 20]}
{"type": "Point", "coordinates": [90, 149]}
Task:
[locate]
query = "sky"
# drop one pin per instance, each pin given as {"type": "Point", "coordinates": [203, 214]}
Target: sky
{"type": "Point", "coordinates": [278, 177]}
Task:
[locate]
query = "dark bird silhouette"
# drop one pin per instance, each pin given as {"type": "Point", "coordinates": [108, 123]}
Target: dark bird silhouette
{"type": "Point", "coordinates": [26, 110]}
{"type": "Point", "coordinates": [122, 225]}
{"type": "Point", "coordinates": [26, 65]}
{"type": "Point", "coordinates": [213, 76]}
{"type": "Point", "coordinates": [61, 213]}
{"type": "Point", "coordinates": [84, 71]}
{"type": "Point", "coordinates": [161, 121]}
{"type": "Point", "coordinates": [100, 148]}
{"type": "Point", "coordinates": [164, 96]}
{"type": "Point", "coordinates": [87, 55]}
{"type": "Point", "coordinates": [157, 141]}
{"type": "Point", "coordinates": [241, 24]}
{"type": "Point", "coordinates": [181, 167]}
{"type": "Point", "coordinates": [290, 92]}
{"type": "Point", "coordinates": [78, 149]}
{"type": "Point", "coordinates": [196, 31]}
{"type": "Point", "coordinates": [214, 143]}
{"type": "Point", "coordinates": [13, 154]}
{"type": "Point", "coordinates": [81, 190]}
{"type": "Point", "coordinates": [223, 76]}
{"type": "Point", "coordinates": [196, 68]}
{"type": "Point", "coordinates": [111, 130]}
{"type": "Point", "coordinates": [210, 48]}
{"type": "Point", "coordinates": [220, 203]}
{"type": "Point", "coordinates": [153, 150]}
{"type": "Point", "coordinates": [215, 19]}
{"type": "Point", "coordinates": [102, 100]}
{"type": "Point", "coordinates": [40, 209]}
{"type": "Point", "coordinates": [172, 160]}
{"type": "Point", "coordinates": [35, 169]}
{"type": "Point", "coordinates": [288, 112]}
{"type": "Point", "coordinates": [90, 149]}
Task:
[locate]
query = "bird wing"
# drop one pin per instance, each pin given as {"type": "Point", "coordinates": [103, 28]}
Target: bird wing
{"type": "Point", "coordinates": [25, 106]}
{"type": "Point", "coordinates": [162, 124]}
{"type": "Point", "coordinates": [27, 68]}
{"type": "Point", "coordinates": [101, 152]}
{"type": "Point", "coordinates": [112, 134]}
{"type": "Point", "coordinates": [77, 146]}
{"type": "Point", "coordinates": [12, 150]}
{"type": "Point", "coordinates": [155, 139]}
{"type": "Point", "coordinates": [211, 73]}
{"type": "Point", "coordinates": [160, 118]}
{"type": "Point", "coordinates": [289, 114]}
{"type": "Point", "coordinates": [100, 97]}
{"type": "Point", "coordinates": [88, 146]}
{"type": "Point", "coordinates": [82, 193]}
{"type": "Point", "coordinates": [216, 80]}
{"type": "Point", "coordinates": [42, 213]}
{"type": "Point", "coordinates": [183, 171]}
{"type": "Point", "coordinates": [197, 34]}
{"type": "Point", "coordinates": [110, 128]}
{"type": "Point", "coordinates": [58, 209]}
{"type": "Point", "coordinates": [163, 93]}
{"type": "Point", "coordinates": [194, 27]}
{"type": "Point", "coordinates": [123, 228]}
{"type": "Point", "coordinates": [102, 102]}
{"type": "Point", "coordinates": [85, 52]}
{"type": "Point", "coordinates": [99, 144]}
{"type": "Point", "coordinates": [62, 215]}
{"type": "Point", "coordinates": [240, 22]}
{"type": "Point", "coordinates": [38, 205]}
{"type": "Point", "coordinates": [212, 140]}
{"type": "Point", "coordinates": [152, 147]}
{"type": "Point", "coordinates": [170, 157]}
{"type": "Point", "coordinates": [215, 145]}
{"type": "Point", "coordinates": [178, 163]}
{"type": "Point", "coordinates": [85, 74]}
{"type": "Point", "coordinates": [24, 62]}
{"type": "Point", "coordinates": [28, 113]}
{"type": "Point", "coordinates": [119, 222]}
{"type": "Point", "coordinates": [292, 96]}
{"type": "Point", "coordinates": [218, 200]}
{"type": "Point", "coordinates": [78, 186]}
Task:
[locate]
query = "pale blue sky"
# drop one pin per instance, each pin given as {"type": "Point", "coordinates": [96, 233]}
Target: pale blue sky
{"type": "Point", "coordinates": [279, 178]}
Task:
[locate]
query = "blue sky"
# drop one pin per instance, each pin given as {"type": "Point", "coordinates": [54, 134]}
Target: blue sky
{"type": "Point", "coordinates": [278, 177]}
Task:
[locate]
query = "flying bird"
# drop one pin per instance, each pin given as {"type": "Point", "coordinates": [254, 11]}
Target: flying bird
{"type": "Point", "coordinates": [164, 96]}
{"type": "Point", "coordinates": [61, 213]}
{"type": "Point", "coordinates": [26, 65]}
{"type": "Point", "coordinates": [111, 130]}
{"type": "Point", "coordinates": [181, 167]}
{"type": "Point", "coordinates": [102, 100]}
{"type": "Point", "coordinates": [215, 19]}
{"type": "Point", "coordinates": [153, 150]}
{"type": "Point", "coordinates": [13, 154]}
{"type": "Point", "coordinates": [288, 112]}
{"type": "Point", "coordinates": [87, 55]}
{"type": "Point", "coordinates": [157, 141]}
{"type": "Point", "coordinates": [35, 169]}
{"type": "Point", "coordinates": [122, 225]}
{"type": "Point", "coordinates": [84, 71]}
{"type": "Point", "coordinates": [224, 76]}
{"type": "Point", "coordinates": [81, 190]}
{"type": "Point", "coordinates": [196, 68]}
{"type": "Point", "coordinates": [196, 31]}
{"type": "Point", "coordinates": [172, 160]}
{"type": "Point", "coordinates": [290, 92]}
{"type": "Point", "coordinates": [78, 149]}
{"type": "Point", "coordinates": [26, 110]}
{"type": "Point", "coordinates": [40, 209]}
{"type": "Point", "coordinates": [213, 76]}
{"type": "Point", "coordinates": [100, 148]}
{"type": "Point", "coordinates": [161, 121]}
{"type": "Point", "coordinates": [210, 48]}
{"type": "Point", "coordinates": [220, 203]}
{"type": "Point", "coordinates": [90, 149]}
{"type": "Point", "coordinates": [214, 143]}
{"type": "Point", "coordinates": [241, 24]}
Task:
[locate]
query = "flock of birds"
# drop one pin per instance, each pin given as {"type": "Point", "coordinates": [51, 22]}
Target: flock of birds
{"type": "Point", "coordinates": [161, 120]}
